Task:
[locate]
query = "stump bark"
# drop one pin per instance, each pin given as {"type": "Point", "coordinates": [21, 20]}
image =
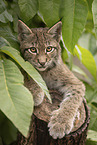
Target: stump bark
{"type": "Point", "coordinates": [38, 133]}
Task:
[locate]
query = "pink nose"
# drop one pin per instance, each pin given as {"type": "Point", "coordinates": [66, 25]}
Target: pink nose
{"type": "Point", "coordinates": [42, 63]}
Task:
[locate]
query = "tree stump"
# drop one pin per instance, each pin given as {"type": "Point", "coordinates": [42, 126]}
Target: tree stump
{"type": "Point", "coordinates": [38, 133]}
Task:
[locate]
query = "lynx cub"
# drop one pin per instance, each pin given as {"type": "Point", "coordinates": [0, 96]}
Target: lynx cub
{"type": "Point", "coordinates": [40, 46]}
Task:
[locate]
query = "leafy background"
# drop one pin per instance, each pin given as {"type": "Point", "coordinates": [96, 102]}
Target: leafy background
{"type": "Point", "coordinates": [79, 52]}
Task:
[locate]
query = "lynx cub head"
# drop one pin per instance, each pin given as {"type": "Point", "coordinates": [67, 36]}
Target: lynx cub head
{"type": "Point", "coordinates": [40, 46]}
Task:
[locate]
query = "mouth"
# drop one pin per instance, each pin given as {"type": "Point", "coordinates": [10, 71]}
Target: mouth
{"type": "Point", "coordinates": [41, 68]}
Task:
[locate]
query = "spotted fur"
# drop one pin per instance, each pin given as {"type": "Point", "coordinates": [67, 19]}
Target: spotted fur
{"type": "Point", "coordinates": [40, 46]}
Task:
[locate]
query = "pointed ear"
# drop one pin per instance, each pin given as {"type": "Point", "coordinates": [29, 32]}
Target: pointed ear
{"type": "Point", "coordinates": [23, 30]}
{"type": "Point", "coordinates": [55, 31]}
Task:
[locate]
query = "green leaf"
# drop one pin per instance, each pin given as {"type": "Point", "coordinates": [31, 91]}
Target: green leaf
{"type": "Point", "coordinates": [78, 70]}
{"type": "Point", "coordinates": [15, 12]}
{"type": "Point", "coordinates": [2, 6]}
{"type": "Point", "coordinates": [93, 114]}
{"type": "Point", "coordinates": [95, 57]}
{"type": "Point", "coordinates": [5, 17]}
{"type": "Point", "coordinates": [91, 93]}
{"type": "Point", "coordinates": [91, 97]}
{"type": "Point", "coordinates": [94, 9]}
{"type": "Point", "coordinates": [3, 42]}
{"type": "Point", "coordinates": [89, 142]}
{"type": "Point", "coordinates": [88, 41]}
{"type": "Point", "coordinates": [6, 32]}
{"type": "Point", "coordinates": [1, 141]}
{"type": "Point", "coordinates": [49, 9]}
{"type": "Point", "coordinates": [74, 13]}
{"type": "Point", "coordinates": [8, 131]}
{"type": "Point", "coordinates": [90, 4]}
{"type": "Point", "coordinates": [13, 53]}
{"type": "Point", "coordinates": [15, 99]}
{"type": "Point", "coordinates": [92, 135]}
{"type": "Point", "coordinates": [89, 24]}
{"type": "Point", "coordinates": [28, 8]}
{"type": "Point", "coordinates": [87, 59]}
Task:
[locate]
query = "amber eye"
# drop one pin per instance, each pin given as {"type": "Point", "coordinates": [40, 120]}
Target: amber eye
{"type": "Point", "coordinates": [32, 50]}
{"type": "Point", "coordinates": [50, 49]}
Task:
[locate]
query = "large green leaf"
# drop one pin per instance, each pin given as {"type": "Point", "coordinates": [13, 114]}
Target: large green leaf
{"type": "Point", "coordinates": [28, 8]}
{"type": "Point", "coordinates": [50, 11]}
{"type": "Point", "coordinates": [94, 9]}
{"type": "Point", "coordinates": [6, 32]}
{"type": "Point", "coordinates": [13, 53]}
{"type": "Point", "coordinates": [74, 13]}
{"type": "Point", "coordinates": [5, 17]}
{"type": "Point", "coordinates": [15, 100]}
{"type": "Point", "coordinates": [87, 59]}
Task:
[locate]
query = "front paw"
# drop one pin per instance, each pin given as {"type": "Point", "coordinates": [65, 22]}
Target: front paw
{"type": "Point", "coordinates": [38, 98]}
{"type": "Point", "coordinates": [60, 124]}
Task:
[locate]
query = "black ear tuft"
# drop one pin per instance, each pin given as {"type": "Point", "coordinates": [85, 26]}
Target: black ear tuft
{"type": "Point", "coordinates": [23, 30]}
{"type": "Point", "coordinates": [55, 31]}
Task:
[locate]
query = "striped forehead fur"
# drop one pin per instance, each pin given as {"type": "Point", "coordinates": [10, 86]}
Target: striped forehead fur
{"type": "Point", "coordinates": [40, 34]}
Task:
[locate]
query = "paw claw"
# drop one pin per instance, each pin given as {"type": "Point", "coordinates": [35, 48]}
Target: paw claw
{"type": "Point", "coordinates": [55, 133]}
